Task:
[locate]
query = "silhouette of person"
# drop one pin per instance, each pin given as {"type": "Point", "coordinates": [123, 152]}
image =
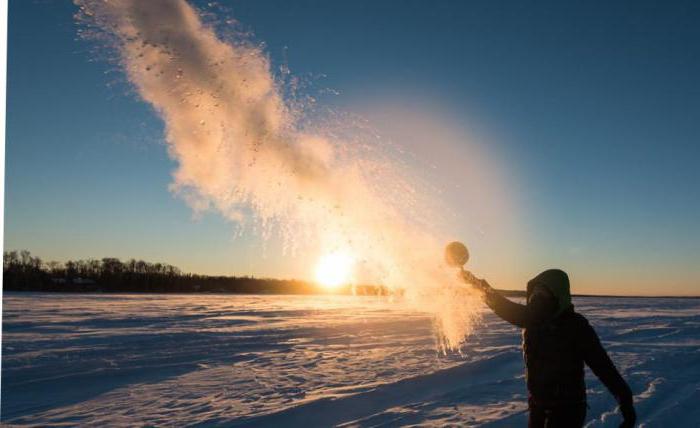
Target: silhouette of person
{"type": "Point", "coordinates": [556, 343]}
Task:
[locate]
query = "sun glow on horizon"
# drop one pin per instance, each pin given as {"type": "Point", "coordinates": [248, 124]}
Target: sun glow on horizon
{"type": "Point", "coordinates": [334, 269]}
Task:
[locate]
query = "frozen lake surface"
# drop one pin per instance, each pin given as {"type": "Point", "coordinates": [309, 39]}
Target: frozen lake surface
{"type": "Point", "coordinates": [313, 361]}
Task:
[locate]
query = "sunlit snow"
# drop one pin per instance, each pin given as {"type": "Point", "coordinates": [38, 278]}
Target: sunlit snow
{"type": "Point", "coordinates": [312, 361]}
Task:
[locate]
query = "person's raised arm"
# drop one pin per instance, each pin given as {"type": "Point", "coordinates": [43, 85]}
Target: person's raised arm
{"type": "Point", "coordinates": [509, 311]}
{"type": "Point", "coordinates": [602, 366]}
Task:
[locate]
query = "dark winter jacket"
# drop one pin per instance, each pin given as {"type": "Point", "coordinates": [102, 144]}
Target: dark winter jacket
{"type": "Point", "coordinates": [556, 349]}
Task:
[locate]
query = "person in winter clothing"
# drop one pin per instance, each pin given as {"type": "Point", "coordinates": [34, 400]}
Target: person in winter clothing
{"type": "Point", "coordinates": [556, 343]}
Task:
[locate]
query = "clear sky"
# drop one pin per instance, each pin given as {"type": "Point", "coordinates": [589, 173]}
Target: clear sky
{"type": "Point", "coordinates": [589, 111]}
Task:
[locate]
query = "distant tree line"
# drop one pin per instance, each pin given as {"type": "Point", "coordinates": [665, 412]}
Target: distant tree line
{"type": "Point", "coordinates": [24, 272]}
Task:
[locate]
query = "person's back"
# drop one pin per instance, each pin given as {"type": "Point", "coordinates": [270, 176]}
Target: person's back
{"type": "Point", "coordinates": [557, 342]}
{"type": "Point", "coordinates": [554, 361]}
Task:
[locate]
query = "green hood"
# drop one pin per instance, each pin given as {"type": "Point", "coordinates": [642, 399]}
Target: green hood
{"type": "Point", "coordinates": [557, 282]}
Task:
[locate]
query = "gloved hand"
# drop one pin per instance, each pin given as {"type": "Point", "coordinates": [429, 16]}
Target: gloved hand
{"type": "Point", "coordinates": [628, 414]}
{"type": "Point", "coordinates": [479, 284]}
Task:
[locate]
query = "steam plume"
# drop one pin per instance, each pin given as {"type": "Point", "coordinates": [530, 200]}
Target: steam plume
{"type": "Point", "coordinates": [241, 150]}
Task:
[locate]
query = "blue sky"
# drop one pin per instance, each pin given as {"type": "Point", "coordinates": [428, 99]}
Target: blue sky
{"type": "Point", "coordinates": [592, 110]}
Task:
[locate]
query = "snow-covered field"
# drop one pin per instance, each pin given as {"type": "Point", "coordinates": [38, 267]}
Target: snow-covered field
{"type": "Point", "coordinates": [312, 361]}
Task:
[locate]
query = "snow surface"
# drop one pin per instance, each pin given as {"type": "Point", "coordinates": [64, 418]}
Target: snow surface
{"type": "Point", "coordinates": [236, 360]}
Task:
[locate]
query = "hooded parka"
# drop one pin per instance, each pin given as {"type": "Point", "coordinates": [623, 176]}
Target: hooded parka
{"type": "Point", "coordinates": [555, 349]}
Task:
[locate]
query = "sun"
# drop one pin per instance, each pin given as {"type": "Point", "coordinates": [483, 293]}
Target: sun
{"type": "Point", "coordinates": [334, 269]}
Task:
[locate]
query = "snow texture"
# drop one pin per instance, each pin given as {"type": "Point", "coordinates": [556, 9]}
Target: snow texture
{"type": "Point", "coordinates": [209, 360]}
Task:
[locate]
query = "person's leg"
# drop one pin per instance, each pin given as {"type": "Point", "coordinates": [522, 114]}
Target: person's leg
{"type": "Point", "coordinates": [536, 417]}
{"type": "Point", "coordinates": [566, 416]}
